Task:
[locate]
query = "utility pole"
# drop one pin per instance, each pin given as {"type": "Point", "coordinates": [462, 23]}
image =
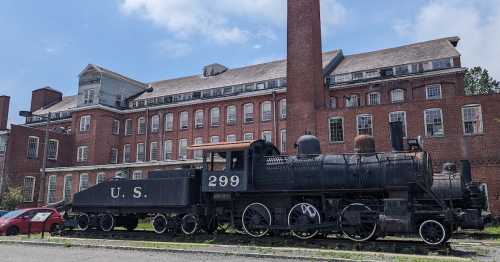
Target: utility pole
{"type": "Point", "coordinates": [41, 191]}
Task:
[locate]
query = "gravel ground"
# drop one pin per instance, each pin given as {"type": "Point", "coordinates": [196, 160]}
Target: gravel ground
{"type": "Point", "coordinates": [27, 253]}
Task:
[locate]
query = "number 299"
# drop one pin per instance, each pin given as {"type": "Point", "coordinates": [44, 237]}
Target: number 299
{"type": "Point", "coordinates": [223, 181]}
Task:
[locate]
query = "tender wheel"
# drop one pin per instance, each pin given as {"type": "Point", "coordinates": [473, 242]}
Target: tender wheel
{"type": "Point", "coordinates": [433, 232]}
{"type": "Point", "coordinates": [12, 231]}
{"type": "Point", "coordinates": [358, 223]}
{"type": "Point", "coordinates": [106, 222]}
{"type": "Point", "coordinates": [189, 224]}
{"type": "Point", "coordinates": [159, 224]}
{"type": "Point", "coordinates": [303, 218]}
{"type": "Point", "coordinates": [256, 220]}
{"type": "Point", "coordinates": [83, 222]}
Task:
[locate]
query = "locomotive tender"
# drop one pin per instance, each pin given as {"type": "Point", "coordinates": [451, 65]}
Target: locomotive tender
{"type": "Point", "coordinates": [362, 195]}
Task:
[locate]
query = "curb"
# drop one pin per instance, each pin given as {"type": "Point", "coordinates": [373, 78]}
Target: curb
{"type": "Point", "coordinates": [178, 250]}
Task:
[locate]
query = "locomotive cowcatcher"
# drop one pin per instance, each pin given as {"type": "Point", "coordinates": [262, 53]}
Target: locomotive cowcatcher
{"type": "Point", "coordinates": [252, 187]}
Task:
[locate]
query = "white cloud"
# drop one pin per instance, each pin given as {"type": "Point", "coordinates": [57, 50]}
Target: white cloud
{"type": "Point", "coordinates": [174, 48]}
{"type": "Point", "coordinates": [224, 21]}
{"type": "Point", "coordinates": [477, 23]}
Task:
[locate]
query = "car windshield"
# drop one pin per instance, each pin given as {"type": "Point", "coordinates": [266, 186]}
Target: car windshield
{"type": "Point", "coordinates": [12, 214]}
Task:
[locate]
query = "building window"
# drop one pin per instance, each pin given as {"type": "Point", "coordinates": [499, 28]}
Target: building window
{"type": "Point", "coordinates": [198, 118]}
{"type": "Point", "coordinates": [137, 175]}
{"type": "Point", "coordinates": [128, 127]}
{"type": "Point", "coordinates": [100, 178]}
{"type": "Point", "coordinates": [214, 117]}
{"type": "Point", "coordinates": [283, 140]}
{"type": "Point", "coordinates": [214, 139]}
{"type": "Point", "coordinates": [282, 105]}
{"type": "Point", "coordinates": [343, 78]}
{"type": "Point", "coordinates": [68, 187]}
{"type": "Point", "coordinates": [372, 74]}
{"type": "Point", "coordinates": [397, 95]}
{"type": "Point", "coordinates": [231, 115]}
{"type": "Point", "coordinates": [365, 124]}
{"type": "Point", "coordinates": [183, 149]}
{"type": "Point", "coordinates": [114, 156]}
{"type": "Point", "coordinates": [231, 138]}
{"type": "Point", "coordinates": [352, 101]}
{"type": "Point", "coordinates": [84, 182]}
{"type": "Point", "coordinates": [399, 116]}
{"type": "Point", "coordinates": [53, 149]}
{"type": "Point", "coordinates": [154, 151]}
{"type": "Point", "coordinates": [88, 96]}
{"type": "Point", "coordinates": [472, 119]}
{"type": "Point", "coordinates": [141, 152]}
{"type": "Point", "coordinates": [184, 120]}
{"type": "Point", "coordinates": [248, 136]}
{"type": "Point", "coordinates": [268, 136]}
{"type": "Point", "coordinates": [33, 143]}
{"type": "Point", "coordinates": [357, 75]}
{"type": "Point", "coordinates": [266, 111]}
{"type": "Point", "coordinates": [28, 188]}
{"type": "Point", "coordinates": [248, 112]}
{"type": "Point", "coordinates": [169, 121]}
{"type": "Point", "coordinates": [402, 70]}
{"type": "Point", "coordinates": [155, 124]}
{"type": "Point", "coordinates": [51, 189]}
{"type": "Point", "coordinates": [434, 122]}
{"type": "Point", "coordinates": [115, 127]}
{"type": "Point", "coordinates": [441, 63]}
{"type": "Point", "coordinates": [198, 154]}
{"type": "Point", "coordinates": [374, 98]}
{"type": "Point", "coordinates": [167, 150]}
{"type": "Point", "coordinates": [85, 123]}
{"type": "Point", "coordinates": [336, 129]}
{"type": "Point", "coordinates": [333, 102]}
{"type": "Point", "coordinates": [83, 154]}
{"type": "Point", "coordinates": [126, 153]}
{"type": "Point", "coordinates": [141, 126]}
{"type": "Point", "coordinates": [433, 92]}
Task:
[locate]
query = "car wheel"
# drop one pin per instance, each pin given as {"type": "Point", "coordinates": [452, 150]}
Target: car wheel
{"type": "Point", "coordinates": [12, 231]}
{"type": "Point", "coordinates": [55, 228]}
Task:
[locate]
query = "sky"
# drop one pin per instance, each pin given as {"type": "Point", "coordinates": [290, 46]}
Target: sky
{"type": "Point", "coordinates": [48, 43]}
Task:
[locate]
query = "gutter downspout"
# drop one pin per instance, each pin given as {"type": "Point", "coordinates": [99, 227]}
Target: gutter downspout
{"type": "Point", "coordinates": [275, 120]}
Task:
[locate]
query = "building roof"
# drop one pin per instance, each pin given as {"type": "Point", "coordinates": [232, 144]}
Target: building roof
{"type": "Point", "coordinates": [101, 69]}
{"type": "Point", "coordinates": [236, 76]}
{"type": "Point", "coordinates": [67, 103]}
{"type": "Point", "coordinates": [413, 53]}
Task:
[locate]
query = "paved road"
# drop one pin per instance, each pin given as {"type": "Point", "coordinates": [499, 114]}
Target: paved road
{"type": "Point", "coordinates": [28, 253]}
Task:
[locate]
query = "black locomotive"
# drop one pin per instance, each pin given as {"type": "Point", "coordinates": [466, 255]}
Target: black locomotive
{"type": "Point", "coordinates": [251, 186]}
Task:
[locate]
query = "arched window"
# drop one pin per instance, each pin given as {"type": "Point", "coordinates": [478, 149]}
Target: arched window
{"type": "Point", "coordinates": [373, 98]}
{"type": "Point", "coordinates": [266, 111]}
{"type": "Point", "coordinates": [215, 117]}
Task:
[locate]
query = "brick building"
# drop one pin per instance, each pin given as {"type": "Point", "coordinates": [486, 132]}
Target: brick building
{"type": "Point", "coordinates": [117, 125]}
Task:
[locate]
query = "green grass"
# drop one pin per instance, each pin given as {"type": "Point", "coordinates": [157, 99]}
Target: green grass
{"type": "Point", "coordinates": [493, 230]}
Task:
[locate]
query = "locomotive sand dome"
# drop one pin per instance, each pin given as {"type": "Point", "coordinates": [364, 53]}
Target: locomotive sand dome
{"type": "Point", "coordinates": [251, 186]}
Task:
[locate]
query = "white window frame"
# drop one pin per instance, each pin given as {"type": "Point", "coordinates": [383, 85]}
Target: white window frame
{"type": "Point", "coordinates": [168, 146]}
{"type": "Point", "coordinates": [283, 141]}
{"type": "Point", "coordinates": [169, 122]}
{"type": "Point", "coordinates": [266, 114]}
{"type": "Point", "coordinates": [183, 153]}
{"type": "Point", "coordinates": [98, 176]}
{"type": "Point", "coordinates": [283, 108]}
{"type": "Point", "coordinates": [125, 151]}
{"type": "Point", "coordinates": [247, 135]}
{"type": "Point", "coordinates": [229, 138]}
{"type": "Point", "coordinates": [82, 175]}
{"type": "Point", "coordinates": [349, 101]}
{"type": "Point", "coordinates": [215, 115]}
{"type": "Point", "coordinates": [154, 146]}
{"type": "Point", "coordinates": [481, 124]}
{"type": "Point", "coordinates": [52, 189]}
{"type": "Point", "coordinates": [88, 96]}
{"type": "Point", "coordinates": [330, 129]}
{"type": "Point", "coordinates": [129, 127]}
{"type": "Point", "coordinates": [425, 122]}
{"type": "Point", "coordinates": [136, 173]}
{"type": "Point", "coordinates": [85, 122]}
{"type": "Point", "coordinates": [199, 116]}
{"type": "Point", "coordinates": [65, 187]}
{"type": "Point", "coordinates": [429, 87]}
{"type": "Point", "coordinates": [114, 156]}
{"type": "Point", "coordinates": [358, 118]}
{"type": "Point", "coordinates": [266, 133]}
{"type": "Point", "coordinates": [372, 102]}
{"type": "Point", "coordinates": [32, 193]}
{"type": "Point", "coordinates": [333, 102]}
{"type": "Point", "coordinates": [56, 155]}
{"type": "Point", "coordinates": [198, 154]}
{"type": "Point", "coordinates": [82, 154]}
{"type": "Point", "coordinates": [396, 91]}
{"type": "Point", "coordinates": [231, 115]}
{"type": "Point", "coordinates": [184, 120]}
{"type": "Point", "coordinates": [115, 127]}
{"type": "Point", "coordinates": [405, 126]}
{"type": "Point", "coordinates": [155, 124]}
{"type": "Point", "coordinates": [248, 111]}
{"type": "Point", "coordinates": [214, 139]}
{"type": "Point", "coordinates": [141, 125]}
{"type": "Point", "coordinates": [137, 152]}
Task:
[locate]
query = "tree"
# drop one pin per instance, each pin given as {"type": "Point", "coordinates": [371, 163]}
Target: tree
{"type": "Point", "coordinates": [12, 198]}
{"type": "Point", "coordinates": [478, 82]}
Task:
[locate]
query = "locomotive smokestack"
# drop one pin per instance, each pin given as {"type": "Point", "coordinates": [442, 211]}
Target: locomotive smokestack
{"type": "Point", "coordinates": [466, 171]}
{"type": "Point", "coordinates": [397, 135]}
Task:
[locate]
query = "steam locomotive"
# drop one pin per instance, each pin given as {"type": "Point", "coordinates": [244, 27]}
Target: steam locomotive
{"type": "Point", "coordinates": [251, 186]}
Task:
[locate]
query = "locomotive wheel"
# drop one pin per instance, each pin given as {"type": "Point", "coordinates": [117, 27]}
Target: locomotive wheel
{"type": "Point", "coordinates": [83, 222]}
{"type": "Point", "coordinates": [159, 224]}
{"type": "Point", "coordinates": [106, 222]}
{"type": "Point", "coordinates": [189, 224]}
{"type": "Point", "coordinates": [304, 215]}
{"type": "Point", "coordinates": [210, 224]}
{"type": "Point", "coordinates": [256, 220]}
{"type": "Point", "coordinates": [354, 226]}
{"type": "Point", "coordinates": [433, 232]}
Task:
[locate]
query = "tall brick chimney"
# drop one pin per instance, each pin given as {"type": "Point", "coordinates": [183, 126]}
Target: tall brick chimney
{"type": "Point", "coordinates": [43, 97]}
{"type": "Point", "coordinates": [306, 93]}
{"type": "Point", "coordinates": [4, 111]}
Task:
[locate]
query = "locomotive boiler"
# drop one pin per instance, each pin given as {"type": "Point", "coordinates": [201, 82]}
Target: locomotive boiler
{"type": "Point", "coordinates": [255, 189]}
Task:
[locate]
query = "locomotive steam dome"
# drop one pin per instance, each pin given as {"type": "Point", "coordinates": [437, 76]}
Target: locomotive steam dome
{"type": "Point", "coordinates": [364, 144]}
{"type": "Point", "coordinates": [308, 145]}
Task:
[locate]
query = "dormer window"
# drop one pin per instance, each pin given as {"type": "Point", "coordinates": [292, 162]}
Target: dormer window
{"type": "Point", "coordinates": [357, 76]}
{"type": "Point", "coordinates": [441, 64]}
{"type": "Point", "coordinates": [88, 96]}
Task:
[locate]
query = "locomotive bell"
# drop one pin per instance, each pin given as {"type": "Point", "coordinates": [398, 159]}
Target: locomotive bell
{"type": "Point", "coordinates": [308, 145]}
{"type": "Point", "coordinates": [364, 144]}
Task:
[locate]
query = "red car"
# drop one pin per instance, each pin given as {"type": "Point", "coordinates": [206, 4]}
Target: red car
{"type": "Point", "coordinates": [17, 221]}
